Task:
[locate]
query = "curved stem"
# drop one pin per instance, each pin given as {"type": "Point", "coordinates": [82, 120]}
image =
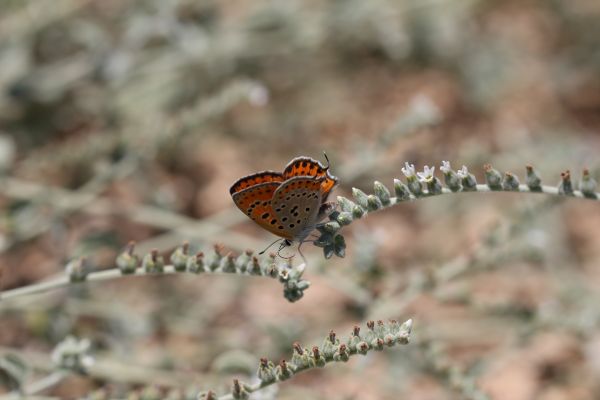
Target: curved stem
{"type": "Point", "coordinates": [46, 382]}
{"type": "Point", "coordinates": [369, 342]}
{"type": "Point", "coordinates": [64, 281]}
{"type": "Point", "coordinates": [545, 189]}
{"type": "Point", "coordinates": [39, 386]}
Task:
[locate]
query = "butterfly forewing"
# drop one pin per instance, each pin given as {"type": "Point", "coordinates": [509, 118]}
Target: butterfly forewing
{"type": "Point", "coordinates": [306, 166]}
{"type": "Point", "coordinates": [296, 204]}
{"type": "Point", "coordinates": [255, 179]}
{"type": "Point", "coordinates": [255, 202]}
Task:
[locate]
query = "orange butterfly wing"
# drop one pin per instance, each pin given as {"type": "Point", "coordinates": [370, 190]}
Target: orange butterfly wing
{"type": "Point", "coordinates": [255, 202]}
{"type": "Point", "coordinates": [306, 166]}
{"type": "Point", "coordinates": [255, 179]}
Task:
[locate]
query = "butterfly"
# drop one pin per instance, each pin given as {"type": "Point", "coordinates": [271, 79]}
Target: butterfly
{"type": "Point", "coordinates": [289, 204]}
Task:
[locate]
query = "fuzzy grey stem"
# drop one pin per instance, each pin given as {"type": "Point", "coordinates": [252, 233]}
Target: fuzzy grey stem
{"type": "Point", "coordinates": [333, 350]}
{"type": "Point", "coordinates": [550, 190]}
{"type": "Point", "coordinates": [97, 276]}
{"type": "Point", "coordinates": [38, 386]}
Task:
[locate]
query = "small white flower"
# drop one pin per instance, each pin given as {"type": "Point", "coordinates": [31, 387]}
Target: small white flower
{"type": "Point", "coordinates": [463, 172]}
{"type": "Point", "coordinates": [258, 96]}
{"type": "Point", "coordinates": [300, 268]}
{"type": "Point", "coordinates": [73, 353]}
{"type": "Point", "coordinates": [427, 175]}
{"type": "Point", "coordinates": [445, 167]}
{"type": "Point", "coordinates": [425, 109]}
{"type": "Point", "coordinates": [408, 170]}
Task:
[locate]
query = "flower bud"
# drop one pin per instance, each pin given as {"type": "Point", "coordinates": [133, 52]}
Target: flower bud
{"type": "Point", "coordinates": [195, 264]}
{"type": "Point", "coordinates": [510, 182]}
{"type": "Point", "coordinates": [588, 185]}
{"type": "Point", "coordinates": [179, 257]}
{"type": "Point", "coordinates": [255, 267]}
{"type": "Point", "coordinates": [344, 218]}
{"type": "Point", "coordinates": [266, 371]}
{"type": "Point", "coordinates": [360, 197]}
{"type": "Point", "coordinates": [401, 190]}
{"type": "Point", "coordinates": [342, 353]}
{"type": "Point", "coordinates": [328, 251]}
{"type": "Point", "coordinates": [318, 360]}
{"type": "Point", "coordinates": [241, 263]}
{"type": "Point", "coordinates": [450, 177]}
{"type": "Point", "coordinates": [362, 348]}
{"type": "Point", "coordinates": [382, 193]}
{"type": "Point", "coordinates": [127, 261]}
{"type": "Point", "coordinates": [238, 391]}
{"type": "Point", "coordinates": [331, 227]}
{"type": "Point", "coordinates": [414, 186]}
{"type": "Point", "coordinates": [77, 270]}
{"type": "Point", "coordinates": [339, 246]}
{"type": "Point", "coordinates": [469, 183]}
{"type": "Point", "coordinates": [282, 371]}
{"type": "Point", "coordinates": [229, 263]}
{"type": "Point", "coordinates": [346, 205]}
{"type": "Point", "coordinates": [532, 180]}
{"type": "Point", "coordinates": [565, 187]}
{"type": "Point", "coordinates": [373, 203]}
{"type": "Point", "coordinates": [217, 257]}
{"type": "Point", "coordinates": [358, 211]}
{"type": "Point", "coordinates": [493, 177]}
{"type": "Point", "coordinates": [153, 262]}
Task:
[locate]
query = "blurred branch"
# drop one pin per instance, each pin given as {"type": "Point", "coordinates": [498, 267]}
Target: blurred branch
{"type": "Point", "coordinates": [144, 138]}
{"type": "Point", "coordinates": [138, 148]}
{"type": "Point", "coordinates": [35, 15]}
{"type": "Point", "coordinates": [46, 382]}
{"type": "Point", "coordinates": [419, 114]}
{"type": "Point", "coordinates": [441, 365]}
{"type": "Point", "coordinates": [65, 200]}
{"type": "Point", "coordinates": [86, 195]}
{"type": "Point", "coordinates": [105, 368]}
{"type": "Point", "coordinates": [493, 247]}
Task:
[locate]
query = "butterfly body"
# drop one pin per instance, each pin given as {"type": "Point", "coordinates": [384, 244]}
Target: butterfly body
{"type": "Point", "coordinates": [287, 204]}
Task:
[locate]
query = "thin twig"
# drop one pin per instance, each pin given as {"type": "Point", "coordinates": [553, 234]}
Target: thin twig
{"type": "Point", "coordinates": [379, 336]}
{"type": "Point", "coordinates": [98, 276]}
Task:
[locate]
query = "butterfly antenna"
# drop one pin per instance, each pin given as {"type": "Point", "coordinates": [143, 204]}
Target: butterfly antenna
{"type": "Point", "coordinates": [269, 246]}
{"type": "Point", "coordinates": [327, 158]}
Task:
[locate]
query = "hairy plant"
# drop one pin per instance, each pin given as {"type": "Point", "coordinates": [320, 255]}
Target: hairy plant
{"type": "Point", "coordinates": [418, 185]}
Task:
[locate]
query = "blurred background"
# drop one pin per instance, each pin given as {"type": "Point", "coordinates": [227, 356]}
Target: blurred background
{"type": "Point", "coordinates": [129, 120]}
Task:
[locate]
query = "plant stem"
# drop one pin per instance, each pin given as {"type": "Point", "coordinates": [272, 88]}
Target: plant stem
{"type": "Point", "coordinates": [64, 281]}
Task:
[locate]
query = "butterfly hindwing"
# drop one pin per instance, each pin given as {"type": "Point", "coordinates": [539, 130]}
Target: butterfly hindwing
{"type": "Point", "coordinates": [255, 202]}
{"type": "Point", "coordinates": [306, 166]}
{"type": "Point", "coordinates": [296, 204]}
{"type": "Point", "coordinates": [255, 179]}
